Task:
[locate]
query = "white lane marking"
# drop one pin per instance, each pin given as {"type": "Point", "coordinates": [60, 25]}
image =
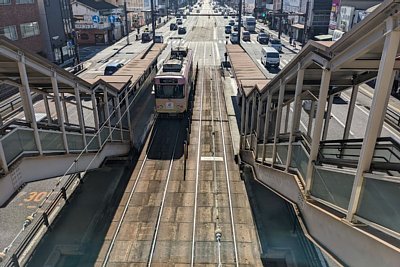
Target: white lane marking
{"type": "Point", "coordinates": [341, 123]}
{"type": "Point", "coordinates": [367, 113]}
{"type": "Point", "coordinates": [204, 158]}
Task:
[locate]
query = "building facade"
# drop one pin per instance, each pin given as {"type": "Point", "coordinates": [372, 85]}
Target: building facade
{"type": "Point", "coordinates": [41, 26]}
{"type": "Point", "coordinates": [97, 22]}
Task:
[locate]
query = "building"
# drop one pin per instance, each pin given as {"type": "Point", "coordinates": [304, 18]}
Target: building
{"type": "Point", "coordinates": [301, 19]}
{"type": "Point", "coordinates": [345, 14]}
{"type": "Point", "coordinates": [43, 27]}
{"type": "Point", "coordinates": [98, 22]}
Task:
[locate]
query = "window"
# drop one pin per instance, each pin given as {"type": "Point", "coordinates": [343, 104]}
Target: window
{"type": "Point", "coordinates": [170, 91]}
{"type": "Point", "coordinates": [29, 29]}
{"type": "Point", "coordinates": [25, 1]}
{"type": "Point", "coordinates": [10, 32]}
{"type": "Point", "coordinates": [5, 2]}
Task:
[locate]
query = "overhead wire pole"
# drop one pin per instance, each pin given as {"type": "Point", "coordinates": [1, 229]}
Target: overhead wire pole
{"type": "Point", "coordinates": [240, 20]}
{"type": "Point", "coordinates": [280, 21]}
{"type": "Point", "coordinates": [305, 32]}
{"type": "Point", "coordinates": [153, 24]}
{"type": "Point", "coordinates": [126, 23]}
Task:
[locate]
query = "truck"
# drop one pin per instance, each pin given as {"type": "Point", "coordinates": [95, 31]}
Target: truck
{"type": "Point", "coordinates": [249, 23]}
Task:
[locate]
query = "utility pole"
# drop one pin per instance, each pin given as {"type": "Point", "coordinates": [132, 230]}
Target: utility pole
{"type": "Point", "coordinates": [305, 32]}
{"type": "Point", "coordinates": [153, 24]}
{"type": "Point", "coordinates": [240, 20]}
{"type": "Point", "coordinates": [280, 20]}
{"type": "Point", "coordinates": [126, 23]}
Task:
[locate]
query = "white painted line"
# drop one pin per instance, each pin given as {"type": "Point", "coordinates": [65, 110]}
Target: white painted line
{"type": "Point", "coordinates": [204, 158]}
{"type": "Point", "coordinates": [341, 123]}
{"type": "Point", "coordinates": [367, 113]}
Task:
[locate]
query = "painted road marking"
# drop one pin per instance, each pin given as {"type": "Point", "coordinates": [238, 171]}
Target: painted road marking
{"type": "Point", "coordinates": [203, 158]}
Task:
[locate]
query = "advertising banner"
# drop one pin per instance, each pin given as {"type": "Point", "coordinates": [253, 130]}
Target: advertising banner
{"type": "Point", "coordinates": [334, 15]}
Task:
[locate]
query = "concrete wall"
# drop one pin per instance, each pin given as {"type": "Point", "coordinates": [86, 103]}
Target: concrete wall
{"type": "Point", "coordinates": [35, 168]}
{"type": "Point", "coordinates": [351, 245]}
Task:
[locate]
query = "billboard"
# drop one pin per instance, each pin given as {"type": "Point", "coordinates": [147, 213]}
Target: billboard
{"type": "Point", "coordinates": [334, 15]}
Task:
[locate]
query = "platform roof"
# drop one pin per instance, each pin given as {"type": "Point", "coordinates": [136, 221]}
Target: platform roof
{"type": "Point", "coordinates": [40, 70]}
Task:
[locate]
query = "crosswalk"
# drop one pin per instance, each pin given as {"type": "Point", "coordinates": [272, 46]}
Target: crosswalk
{"type": "Point", "coordinates": [114, 61]}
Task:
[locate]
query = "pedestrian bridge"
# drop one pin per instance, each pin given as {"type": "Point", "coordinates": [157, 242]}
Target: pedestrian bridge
{"type": "Point", "coordinates": [347, 190]}
{"type": "Point", "coordinates": [71, 125]}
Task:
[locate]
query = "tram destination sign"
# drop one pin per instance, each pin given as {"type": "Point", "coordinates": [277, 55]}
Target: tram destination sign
{"type": "Point", "coordinates": [168, 80]}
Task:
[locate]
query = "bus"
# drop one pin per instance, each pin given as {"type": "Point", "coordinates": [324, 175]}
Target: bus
{"type": "Point", "coordinates": [249, 23]}
{"type": "Point", "coordinates": [173, 83]}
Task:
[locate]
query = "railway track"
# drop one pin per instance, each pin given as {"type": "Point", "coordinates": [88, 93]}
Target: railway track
{"type": "Point", "coordinates": [179, 210]}
{"type": "Point", "coordinates": [156, 151]}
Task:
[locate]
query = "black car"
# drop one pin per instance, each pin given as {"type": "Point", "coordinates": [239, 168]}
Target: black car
{"type": "Point", "coordinates": [263, 38]}
{"type": "Point", "coordinates": [111, 68]}
{"type": "Point", "coordinates": [182, 30]}
{"type": "Point", "coordinates": [147, 37]}
{"type": "Point", "coordinates": [236, 27]}
{"type": "Point", "coordinates": [173, 27]}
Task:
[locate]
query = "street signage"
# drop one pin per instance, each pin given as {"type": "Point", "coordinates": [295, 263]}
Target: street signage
{"type": "Point", "coordinates": [111, 19]}
{"type": "Point", "coordinates": [96, 19]}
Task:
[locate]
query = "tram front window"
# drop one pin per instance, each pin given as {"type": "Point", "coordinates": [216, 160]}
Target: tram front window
{"type": "Point", "coordinates": [169, 91]}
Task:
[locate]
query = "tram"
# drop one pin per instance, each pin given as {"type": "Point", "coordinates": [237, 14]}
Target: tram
{"type": "Point", "coordinates": [174, 82]}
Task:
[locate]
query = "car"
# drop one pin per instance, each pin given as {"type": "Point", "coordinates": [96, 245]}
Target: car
{"type": "Point", "coordinates": [231, 22]}
{"type": "Point", "coordinates": [225, 16]}
{"type": "Point", "coordinates": [228, 29]}
{"type": "Point", "coordinates": [276, 43]}
{"type": "Point", "coordinates": [234, 38]}
{"type": "Point", "coordinates": [147, 37]}
{"type": "Point", "coordinates": [184, 16]}
{"type": "Point", "coordinates": [270, 57]}
{"type": "Point", "coordinates": [246, 36]}
{"type": "Point", "coordinates": [179, 21]}
{"type": "Point", "coordinates": [159, 39]}
{"type": "Point", "coordinates": [182, 30]}
{"type": "Point", "coordinates": [198, 11]}
{"type": "Point", "coordinates": [112, 68]}
{"type": "Point", "coordinates": [236, 27]}
{"type": "Point", "coordinates": [262, 38]}
{"type": "Point", "coordinates": [173, 27]}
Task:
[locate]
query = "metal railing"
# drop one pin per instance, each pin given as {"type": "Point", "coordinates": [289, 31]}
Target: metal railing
{"type": "Point", "coordinates": [346, 153]}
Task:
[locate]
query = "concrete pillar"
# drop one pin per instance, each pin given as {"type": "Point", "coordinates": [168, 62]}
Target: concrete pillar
{"type": "Point", "coordinates": [27, 102]}
{"type": "Point", "coordinates": [278, 120]}
{"type": "Point", "coordinates": [80, 115]}
{"type": "Point", "coordinates": [287, 117]}
{"type": "Point", "coordinates": [319, 119]}
{"type": "Point", "coordinates": [376, 116]}
{"type": "Point", "coordinates": [47, 108]}
{"type": "Point", "coordinates": [119, 117]}
{"type": "Point", "coordinates": [64, 103]}
{"type": "Point", "coordinates": [3, 161]}
{"type": "Point", "coordinates": [107, 112]}
{"type": "Point", "coordinates": [350, 112]}
{"type": "Point", "coordinates": [242, 123]}
{"type": "Point", "coordinates": [246, 127]}
{"type": "Point", "coordinates": [253, 114]}
{"type": "Point", "coordinates": [310, 118]}
{"type": "Point", "coordinates": [296, 114]}
{"type": "Point", "coordinates": [60, 115]}
{"type": "Point", "coordinates": [266, 124]}
{"type": "Point", "coordinates": [96, 116]}
{"type": "Point", "coordinates": [328, 117]}
{"type": "Point", "coordinates": [259, 110]}
{"type": "Point", "coordinates": [128, 114]}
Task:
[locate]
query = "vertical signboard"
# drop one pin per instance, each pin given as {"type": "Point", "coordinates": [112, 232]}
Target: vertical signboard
{"type": "Point", "coordinates": [334, 16]}
{"type": "Point", "coordinates": [346, 18]}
